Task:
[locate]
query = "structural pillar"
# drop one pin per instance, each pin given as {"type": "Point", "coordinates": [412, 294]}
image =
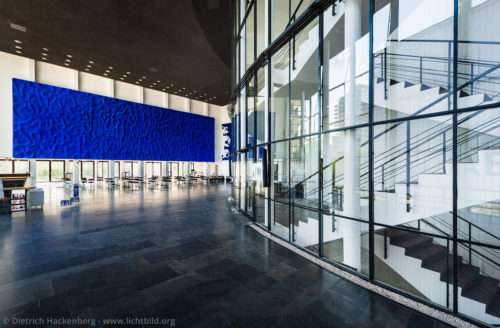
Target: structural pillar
{"type": "Point", "coordinates": [351, 229]}
{"type": "Point", "coordinates": [141, 170]}
{"type": "Point", "coordinates": [33, 173]}
{"type": "Point", "coordinates": [111, 169]}
{"type": "Point", "coordinates": [76, 171]}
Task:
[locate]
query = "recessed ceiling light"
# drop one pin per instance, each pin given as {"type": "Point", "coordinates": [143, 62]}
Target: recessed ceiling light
{"type": "Point", "coordinates": [107, 71]}
{"type": "Point", "coordinates": [124, 75]}
{"type": "Point", "coordinates": [44, 54]}
{"type": "Point", "coordinates": [68, 60]}
{"type": "Point", "coordinates": [18, 47]}
{"type": "Point", "coordinates": [128, 72]}
{"type": "Point", "coordinates": [45, 49]}
{"type": "Point", "coordinates": [89, 66]}
{"type": "Point", "coordinates": [43, 58]}
{"type": "Point", "coordinates": [183, 88]}
{"type": "Point", "coordinates": [105, 74]}
{"type": "Point", "coordinates": [19, 52]}
{"type": "Point", "coordinates": [194, 91]}
{"type": "Point", "coordinates": [162, 89]}
{"type": "Point", "coordinates": [158, 81]}
{"type": "Point", "coordinates": [110, 67]}
{"type": "Point", "coordinates": [69, 56]}
{"type": "Point", "coordinates": [140, 80]}
{"type": "Point", "coordinates": [121, 78]}
{"type": "Point", "coordinates": [136, 82]}
{"type": "Point", "coordinates": [17, 41]}
{"type": "Point", "coordinates": [66, 64]}
{"type": "Point", "coordinates": [17, 27]}
{"type": "Point", "coordinates": [168, 87]}
{"type": "Point", "coordinates": [91, 62]}
{"type": "Point", "coordinates": [150, 86]}
{"type": "Point", "coordinates": [204, 94]}
{"type": "Point", "coordinates": [215, 97]}
{"type": "Point", "coordinates": [87, 69]}
{"type": "Point", "coordinates": [171, 84]}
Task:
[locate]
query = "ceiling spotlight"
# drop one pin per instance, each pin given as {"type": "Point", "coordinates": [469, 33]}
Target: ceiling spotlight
{"type": "Point", "coordinates": [69, 56]}
{"type": "Point", "coordinates": [162, 89]}
{"type": "Point", "coordinates": [171, 84]}
{"type": "Point", "coordinates": [128, 72]}
{"type": "Point", "coordinates": [89, 66]}
{"type": "Point", "coordinates": [66, 64]}
{"type": "Point", "coordinates": [18, 47]}
{"type": "Point", "coordinates": [68, 60]}
{"type": "Point", "coordinates": [124, 75]}
{"type": "Point", "coordinates": [183, 88]}
{"type": "Point", "coordinates": [87, 69]}
{"type": "Point", "coordinates": [204, 94]}
{"type": "Point", "coordinates": [194, 91]}
{"type": "Point", "coordinates": [17, 41]}
{"type": "Point", "coordinates": [19, 52]}
{"type": "Point", "coordinates": [121, 78]}
{"type": "Point", "coordinates": [143, 77]}
{"type": "Point", "coordinates": [140, 80]}
{"type": "Point", "coordinates": [45, 49]}
{"type": "Point", "coordinates": [44, 54]}
{"type": "Point", "coordinates": [167, 87]}
{"type": "Point", "coordinates": [110, 67]}
{"type": "Point", "coordinates": [136, 82]}
{"type": "Point", "coordinates": [91, 62]}
{"type": "Point", "coordinates": [43, 58]}
{"type": "Point", "coordinates": [158, 81]}
{"type": "Point", "coordinates": [150, 86]}
{"type": "Point", "coordinates": [105, 74]}
{"type": "Point", "coordinates": [215, 97]}
{"type": "Point", "coordinates": [107, 71]}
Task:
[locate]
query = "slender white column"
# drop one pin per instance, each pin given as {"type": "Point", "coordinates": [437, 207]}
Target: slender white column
{"type": "Point", "coordinates": [141, 169]}
{"type": "Point", "coordinates": [351, 229]}
{"type": "Point", "coordinates": [33, 173]}
{"type": "Point", "coordinates": [76, 171]}
{"type": "Point", "coordinates": [111, 169]}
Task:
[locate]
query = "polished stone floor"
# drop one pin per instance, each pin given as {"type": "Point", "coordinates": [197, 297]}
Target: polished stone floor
{"type": "Point", "coordinates": [177, 253]}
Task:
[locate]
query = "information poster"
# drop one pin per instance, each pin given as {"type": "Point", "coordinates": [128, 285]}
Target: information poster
{"type": "Point", "coordinates": [18, 200]}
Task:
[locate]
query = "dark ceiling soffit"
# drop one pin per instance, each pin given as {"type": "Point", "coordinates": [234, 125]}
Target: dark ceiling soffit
{"type": "Point", "coordinates": [305, 18]}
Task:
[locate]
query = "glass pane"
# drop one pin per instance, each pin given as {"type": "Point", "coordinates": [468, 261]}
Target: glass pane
{"type": "Point", "coordinates": [280, 16]}
{"type": "Point", "coordinates": [149, 169]}
{"type": "Point", "coordinates": [105, 170]}
{"type": "Point", "coordinates": [478, 70]}
{"type": "Point", "coordinates": [261, 26]}
{"type": "Point", "coordinates": [57, 171]}
{"type": "Point", "coordinates": [280, 93]}
{"type": "Point", "coordinates": [135, 169]}
{"type": "Point", "coordinates": [305, 228]}
{"type": "Point", "coordinates": [42, 171]}
{"type": "Point", "coordinates": [117, 169]}
{"type": "Point", "coordinates": [304, 171]}
{"type": "Point", "coordinates": [88, 170]}
{"type": "Point", "coordinates": [479, 177]}
{"type": "Point", "coordinates": [304, 110]}
{"type": "Point", "coordinates": [250, 38]}
{"type": "Point", "coordinates": [413, 57]}
{"type": "Point", "coordinates": [415, 263]}
{"type": "Point", "coordinates": [157, 169]}
{"type": "Point", "coordinates": [346, 242]}
{"type": "Point", "coordinates": [6, 167]}
{"type": "Point", "coordinates": [345, 172]}
{"type": "Point", "coordinates": [127, 169]}
{"type": "Point", "coordinates": [260, 105]}
{"type": "Point", "coordinates": [21, 166]}
{"type": "Point", "coordinates": [251, 115]}
{"type": "Point", "coordinates": [346, 63]}
{"type": "Point", "coordinates": [413, 174]}
{"type": "Point", "coordinates": [280, 189]}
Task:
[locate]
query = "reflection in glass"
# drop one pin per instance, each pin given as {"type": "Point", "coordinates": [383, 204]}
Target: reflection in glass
{"type": "Point", "coordinates": [57, 171]}
{"type": "Point", "coordinates": [42, 171]}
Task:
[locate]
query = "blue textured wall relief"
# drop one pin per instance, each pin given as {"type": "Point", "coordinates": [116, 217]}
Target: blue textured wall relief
{"type": "Point", "coordinates": [53, 122]}
{"type": "Point", "coordinates": [226, 137]}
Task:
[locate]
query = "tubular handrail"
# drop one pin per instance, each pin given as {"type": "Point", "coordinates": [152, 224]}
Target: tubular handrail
{"type": "Point", "coordinates": [448, 93]}
{"type": "Point", "coordinates": [476, 226]}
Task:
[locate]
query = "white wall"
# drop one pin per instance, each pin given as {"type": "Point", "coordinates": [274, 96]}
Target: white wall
{"type": "Point", "coordinates": [12, 66]}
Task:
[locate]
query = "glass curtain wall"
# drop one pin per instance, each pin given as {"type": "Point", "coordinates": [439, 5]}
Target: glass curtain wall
{"type": "Point", "coordinates": [368, 134]}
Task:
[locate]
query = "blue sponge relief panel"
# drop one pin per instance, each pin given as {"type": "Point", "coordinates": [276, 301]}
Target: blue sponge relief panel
{"type": "Point", "coordinates": [53, 122]}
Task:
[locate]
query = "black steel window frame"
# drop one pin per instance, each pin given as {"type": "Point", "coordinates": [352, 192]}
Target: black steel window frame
{"type": "Point", "coordinates": [317, 9]}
